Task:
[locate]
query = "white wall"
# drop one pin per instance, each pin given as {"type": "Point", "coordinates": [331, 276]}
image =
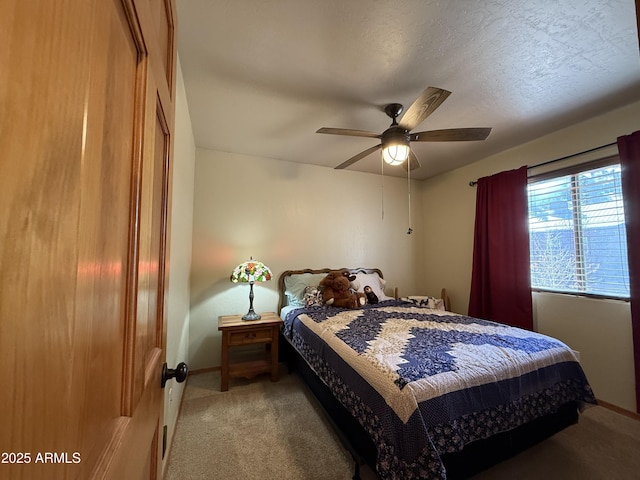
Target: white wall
{"type": "Point", "coordinates": [289, 216]}
{"type": "Point", "coordinates": [178, 301]}
{"type": "Point", "coordinates": [599, 329]}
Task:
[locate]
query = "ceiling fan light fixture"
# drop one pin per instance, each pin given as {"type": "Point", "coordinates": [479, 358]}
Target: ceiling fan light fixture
{"type": "Point", "coordinates": [395, 140]}
{"type": "Point", "coordinates": [395, 154]}
{"type": "Point", "coordinates": [395, 145]}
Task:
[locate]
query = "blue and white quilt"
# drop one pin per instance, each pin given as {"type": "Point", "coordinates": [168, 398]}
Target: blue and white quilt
{"type": "Point", "coordinates": [425, 382]}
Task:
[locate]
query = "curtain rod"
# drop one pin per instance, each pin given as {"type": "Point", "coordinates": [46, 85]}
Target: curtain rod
{"type": "Point", "coordinates": [473, 183]}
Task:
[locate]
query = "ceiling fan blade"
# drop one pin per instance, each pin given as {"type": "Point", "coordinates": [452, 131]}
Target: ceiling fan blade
{"type": "Point", "coordinates": [424, 106]}
{"type": "Point", "coordinates": [451, 135]}
{"type": "Point", "coordinates": [349, 132]}
{"type": "Point", "coordinates": [413, 161]}
{"type": "Point", "coordinates": [357, 157]}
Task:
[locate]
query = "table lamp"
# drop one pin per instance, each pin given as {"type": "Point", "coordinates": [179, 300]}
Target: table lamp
{"type": "Point", "coordinates": [251, 271]}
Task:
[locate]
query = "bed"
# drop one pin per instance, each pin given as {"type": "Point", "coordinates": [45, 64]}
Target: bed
{"type": "Point", "coordinates": [417, 391]}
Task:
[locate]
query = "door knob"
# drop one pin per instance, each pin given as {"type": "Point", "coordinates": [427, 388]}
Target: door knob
{"type": "Point", "coordinates": [179, 373]}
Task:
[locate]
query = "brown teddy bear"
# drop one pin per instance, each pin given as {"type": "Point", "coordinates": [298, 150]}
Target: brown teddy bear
{"type": "Point", "coordinates": [336, 292]}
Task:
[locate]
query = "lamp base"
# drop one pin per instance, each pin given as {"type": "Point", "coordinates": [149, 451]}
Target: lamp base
{"type": "Point", "coordinates": [251, 315]}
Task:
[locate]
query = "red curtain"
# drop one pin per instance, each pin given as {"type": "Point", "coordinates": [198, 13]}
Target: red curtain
{"type": "Point", "coordinates": [501, 279]}
{"type": "Point", "coordinates": [629, 149]}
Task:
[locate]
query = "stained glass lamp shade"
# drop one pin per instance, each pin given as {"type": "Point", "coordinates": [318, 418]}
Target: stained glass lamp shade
{"type": "Point", "coordinates": [250, 272]}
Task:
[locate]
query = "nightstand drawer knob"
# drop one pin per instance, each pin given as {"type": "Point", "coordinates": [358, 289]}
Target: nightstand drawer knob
{"type": "Point", "coordinates": [180, 373]}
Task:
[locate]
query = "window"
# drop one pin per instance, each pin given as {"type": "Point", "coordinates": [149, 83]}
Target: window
{"type": "Point", "coordinates": [577, 232]}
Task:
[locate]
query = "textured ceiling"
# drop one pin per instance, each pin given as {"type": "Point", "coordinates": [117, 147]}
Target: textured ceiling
{"type": "Point", "coordinates": [262, 76]}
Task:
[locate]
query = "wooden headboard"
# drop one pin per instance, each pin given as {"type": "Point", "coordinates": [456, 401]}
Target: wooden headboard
{"type": "Point", "coordinates": [282, 300]}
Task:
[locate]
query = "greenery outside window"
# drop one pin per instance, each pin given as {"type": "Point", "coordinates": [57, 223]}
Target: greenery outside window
{"type": "Point", "coordinates": [577, 231]}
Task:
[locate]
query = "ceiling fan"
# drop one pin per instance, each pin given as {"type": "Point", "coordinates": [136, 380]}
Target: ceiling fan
{"type": "Point", "coordinates": [395, 140]}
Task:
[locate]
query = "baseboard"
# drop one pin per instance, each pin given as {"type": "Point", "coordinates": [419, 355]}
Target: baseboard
{"type": "Point", "coordinates": [620, 410]}
{"type": "Point", "coordinates": [204, 370]}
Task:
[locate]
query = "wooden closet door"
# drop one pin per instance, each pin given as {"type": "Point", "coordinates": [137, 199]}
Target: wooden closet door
{"type": "Point", "coordinates": [86, 123]}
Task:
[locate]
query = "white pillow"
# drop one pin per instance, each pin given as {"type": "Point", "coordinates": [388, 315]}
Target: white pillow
{"type": "Point", "coordinates": [372, 280]}
{"type": "Point", "coordinates": [294, 286]}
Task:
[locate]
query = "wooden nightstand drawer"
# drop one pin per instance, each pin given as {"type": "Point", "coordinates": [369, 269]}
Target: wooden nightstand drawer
{"type": "Point", "coordinates": [251, 336]}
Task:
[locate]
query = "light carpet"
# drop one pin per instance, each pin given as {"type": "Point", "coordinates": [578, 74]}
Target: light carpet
{"type": "Point", "coordinates": [262, 430]}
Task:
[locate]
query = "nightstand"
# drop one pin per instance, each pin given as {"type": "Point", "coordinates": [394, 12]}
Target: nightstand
{"type": "Point", "coordinates": [237, 332]}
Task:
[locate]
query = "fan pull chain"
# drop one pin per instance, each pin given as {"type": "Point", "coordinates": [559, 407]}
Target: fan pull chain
{"type": "Point", "coordinates": [410, 231]}
{"type": "Point", "coordinates": [382, 184]}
